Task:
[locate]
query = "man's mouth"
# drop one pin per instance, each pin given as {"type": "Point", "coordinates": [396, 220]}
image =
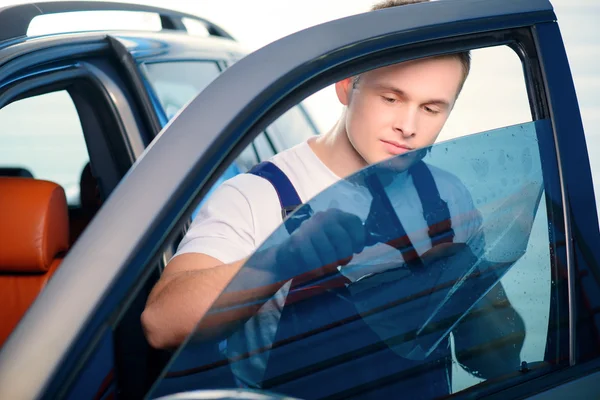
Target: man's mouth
{"type": "Point", "coordinates": [395, 148]}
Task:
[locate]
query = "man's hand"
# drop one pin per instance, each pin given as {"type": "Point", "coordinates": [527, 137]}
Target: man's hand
{"type": "Point", "coordinates": [321, 244]}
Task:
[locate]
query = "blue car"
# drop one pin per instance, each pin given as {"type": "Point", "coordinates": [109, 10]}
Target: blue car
{"type": "Point", "coordinates": [520, 152]}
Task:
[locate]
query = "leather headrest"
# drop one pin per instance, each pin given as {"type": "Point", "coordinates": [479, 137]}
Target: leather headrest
{"type": "Point", "coordinates": [34, 224]}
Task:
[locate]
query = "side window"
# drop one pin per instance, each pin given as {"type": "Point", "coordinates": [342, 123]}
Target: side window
{"type": "Point", "coordinates": [457, 286]}
{"type": "Point", "coordinates": [248, 158]}
{"type": "Point", "coordinates": [293, 127]}
{"type": "Point", "coordinates": [443, 307]}
{"type": "Point", "coordinates": [264, 147]}
{"type": "Point", "coordinates": [177, 83]}
{"type": "Point", "coordinates": [43, 136]}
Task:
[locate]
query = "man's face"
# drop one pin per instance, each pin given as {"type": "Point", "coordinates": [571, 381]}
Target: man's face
{"type": "Point", "coordinates": [399, 108]}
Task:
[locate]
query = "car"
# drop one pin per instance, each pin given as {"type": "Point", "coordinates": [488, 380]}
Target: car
{"type": "Point", "coordinates": [141, 78]}
{"type": "Point", "coordinates": [530, 179]}
{"type": "Point", "coordinates": [99, 99]}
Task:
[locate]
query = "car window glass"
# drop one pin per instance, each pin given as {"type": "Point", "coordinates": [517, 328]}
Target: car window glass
{"type": "Point", "coordinates": [450, 307]}
{"type": "Point", "coordinates": [50, 146]}
{"type": "Point", "coordinates": [502, 218]}
{"type": "Point", "coordinates": [248, 158]}
{"type": "Point", "coordinates": [291, 128]}
{"type": "Point", "coordinates": [264, 147]}
{"type": "Point", "coordinates": [177, 83]}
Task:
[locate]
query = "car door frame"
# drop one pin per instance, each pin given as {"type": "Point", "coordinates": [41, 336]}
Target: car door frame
{"type": "Point", "coordinates": [178, 182]}
{"type": "Point", "coordinates": [113, 133]}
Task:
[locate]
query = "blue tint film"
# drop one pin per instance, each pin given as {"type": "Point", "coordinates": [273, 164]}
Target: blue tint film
{"type": "Point", "coordinates": [427, 292]}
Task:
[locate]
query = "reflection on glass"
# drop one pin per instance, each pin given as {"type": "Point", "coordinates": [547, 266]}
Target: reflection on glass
{"type": "Point", "coordinates": [441, 226]}
{"type": "Point", "coordinates": [177, 83]}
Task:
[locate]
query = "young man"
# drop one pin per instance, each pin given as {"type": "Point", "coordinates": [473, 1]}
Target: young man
{"type": "Point", "coordinates": [388, 111]}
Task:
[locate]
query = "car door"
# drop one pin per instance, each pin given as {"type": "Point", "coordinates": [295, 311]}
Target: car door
{"type": "Point", "coordinates": [180, 167]}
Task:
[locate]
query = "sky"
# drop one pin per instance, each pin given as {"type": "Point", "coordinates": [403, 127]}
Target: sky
{"type": "Point", "coordinates": [259, 22]}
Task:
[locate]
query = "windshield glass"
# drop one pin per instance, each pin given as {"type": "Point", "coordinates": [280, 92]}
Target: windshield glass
{"type": "Point", "coordinates": [442, 226]}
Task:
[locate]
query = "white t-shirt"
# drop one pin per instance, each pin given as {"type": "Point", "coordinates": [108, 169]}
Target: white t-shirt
{"type": "Point", "coordinates": [245, 211]}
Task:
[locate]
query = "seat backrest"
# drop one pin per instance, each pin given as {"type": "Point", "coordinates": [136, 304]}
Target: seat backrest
{"type": "Point", "coordinates": [34, 236]}
{"type": "Point", "coordinates": [80, 217]}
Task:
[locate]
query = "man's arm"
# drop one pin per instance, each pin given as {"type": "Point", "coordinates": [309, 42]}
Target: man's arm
{"type": "Point", "coordinates": [194, 284]}
{"type": "Point", "coordinates": [188, 287]}
{"type": "Point", "coordinates": [211, 253]}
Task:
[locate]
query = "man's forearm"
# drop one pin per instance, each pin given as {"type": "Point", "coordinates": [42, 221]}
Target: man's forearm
{"type": "Point", "coordinates": [180, 301]}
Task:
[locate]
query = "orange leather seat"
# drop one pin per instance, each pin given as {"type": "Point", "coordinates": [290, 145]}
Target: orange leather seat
{"type": "Point", "coordinates": [34, 236]}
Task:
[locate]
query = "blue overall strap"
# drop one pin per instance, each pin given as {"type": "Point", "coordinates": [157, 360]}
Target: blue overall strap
{"type": "Point", "coordinates": [288, 196]}
{"type": "Point", "coordinates": [435, 210]}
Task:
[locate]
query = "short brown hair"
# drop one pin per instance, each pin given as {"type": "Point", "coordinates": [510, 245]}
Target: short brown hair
{"type": "Point", "coordinates": [464, 56]}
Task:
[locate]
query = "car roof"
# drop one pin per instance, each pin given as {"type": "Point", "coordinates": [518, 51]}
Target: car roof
{"type": "Point", "coordinates": [141, 44]}
{"type": "Point", "coordinates": [15, 21]}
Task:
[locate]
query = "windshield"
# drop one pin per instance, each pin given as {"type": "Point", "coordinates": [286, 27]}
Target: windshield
{"type": "Point", "coordinates": [443, 226]}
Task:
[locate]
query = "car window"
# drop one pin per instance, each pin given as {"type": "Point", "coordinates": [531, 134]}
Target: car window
{"type": "Point", "coordinates": [43, 136]}
{"type": "Point", "coordinates": [264, 147]}
{"type": "Point", "coordinates": [420, 315]}
{"type": "Point", "coordinates": [469, 318]}
{"type": "Point", "coordinates": [248, 158]}
{"type": "Point", "coordinates": [291, 128]}
{"type": "Point", "coordinates": [176, 83]}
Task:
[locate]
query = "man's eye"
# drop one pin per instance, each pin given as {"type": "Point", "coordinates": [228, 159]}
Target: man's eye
{"type": "Point", "coordinates": [388, 99]}
{"type": "Point", "coordinates": [431, 110]}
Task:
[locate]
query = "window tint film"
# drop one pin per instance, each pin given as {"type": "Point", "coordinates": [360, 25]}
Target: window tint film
{"type": "Point", "coordinates": [453, 288]}
{"type": "Point", "coordinates": [49, 146]}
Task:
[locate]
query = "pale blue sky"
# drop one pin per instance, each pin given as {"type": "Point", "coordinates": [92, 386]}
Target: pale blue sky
{"type": "Point", "coordinates": [259, 22]}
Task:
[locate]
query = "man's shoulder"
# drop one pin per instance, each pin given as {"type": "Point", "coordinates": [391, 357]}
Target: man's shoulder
{"type": "Point", "coordinates": [291, 156]}
{"type": "Point", "coordinates": [255, 188]}
{"type": "Point", "coordinates": [305, 170]}
{"type": "Point", "coordinates": [250, 186]}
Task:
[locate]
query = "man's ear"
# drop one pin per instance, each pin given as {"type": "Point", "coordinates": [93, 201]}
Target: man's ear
{"type": "Point", "coordinates": [343, 89]}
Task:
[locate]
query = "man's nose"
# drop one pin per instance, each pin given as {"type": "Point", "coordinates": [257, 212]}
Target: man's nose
{"type": "Point", "coordinates": [406, 122]}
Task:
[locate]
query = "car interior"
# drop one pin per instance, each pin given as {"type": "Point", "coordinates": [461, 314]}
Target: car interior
{"type": "Point", "coordinates": [50, 190]}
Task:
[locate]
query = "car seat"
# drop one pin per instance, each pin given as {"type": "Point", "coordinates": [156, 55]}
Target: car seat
{"type": "Point", "coordinates": [34, 236]}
